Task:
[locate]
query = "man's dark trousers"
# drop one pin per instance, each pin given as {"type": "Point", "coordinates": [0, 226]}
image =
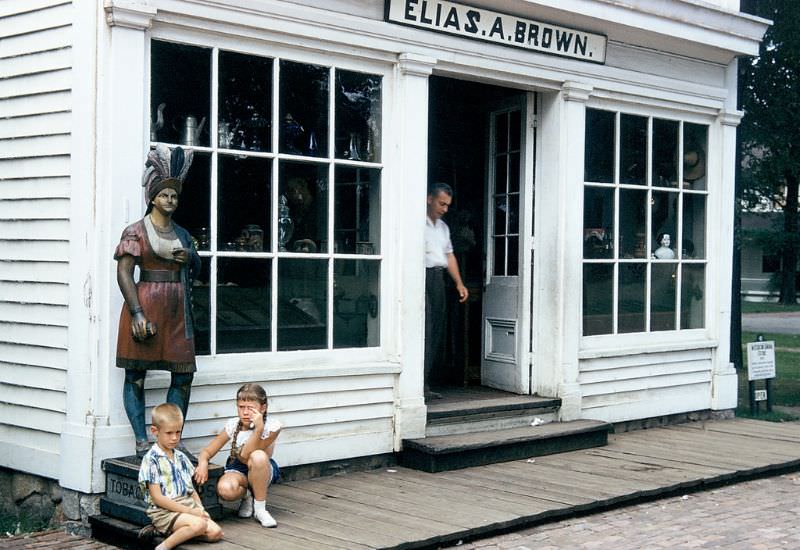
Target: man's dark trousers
{"type": "Point", "coordinates": [434, 316]}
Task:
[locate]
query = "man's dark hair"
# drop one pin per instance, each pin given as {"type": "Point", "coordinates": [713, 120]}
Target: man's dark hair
{"type": "Point", "coordinates": [439, 187]}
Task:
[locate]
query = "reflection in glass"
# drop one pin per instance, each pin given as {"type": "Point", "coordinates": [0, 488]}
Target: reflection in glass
{"type": "Point", "coordinates": [357, 222]}
{"type": "Point", "coordinates": [633, 150]}
{"type": "Point", "coordinates": [598, 222]}
{"type": "Point", "coordinates": [662, 296]}
{"type": "Point", "coordinates": [201, 308]}
{"type": "Point", "coordinates": [187, 106]}
{"type": "Point", "coordinates": [358, 116]}
{"type": "Point", "coordinates": [244, 204]}
{"type": "Point", "coordinates": [665, 153]}
{"type": "Point", "coordinates": [243, 305]}
{"type": "Point", "coordinates": [500, 214]}
{"type": "Point", "coordinates": [664, 218]}
{"type": "Point", "coordinates": [356, 303]}
{"type": "Point", "coordinates": [693, 244]}
{"type": "Point", "coordinates": [513, 257]}
{"type": "Point", "coordinates": [302, 304]}
{"type": "Point", "coordinates": [499, 256]}
{"type": "Point", "coordinates": [598, 294]}
{"type": "Point", "coordinates": [194, 203]}
{"type": "Point", "coordinates": [304, 109]}
{"type": "Point", "coordinates": [631, 306]}
{"type": "Point", "coordinates": [632, 220]}
{"type": "Point", "coordinates": [501, 174]}
{"type": "Point", "coordinates": [245, 102]}
{"type": "Point", "coordinates": [513, 214]}
{"type": "Point", "coordinates": [513, 172]}
{"type": "Point", "coordinates": [695, 147]}
{"type": "Point", "coordinates": [501, 133]}
{"type": "Point", "coordinates": [515, 131]}
{"type": "Point", "coordinates": [692, 294]}
{"type": "Point", "coordinates": [305, 187]}
{"type": "Point", "coordinates": [599, 156]}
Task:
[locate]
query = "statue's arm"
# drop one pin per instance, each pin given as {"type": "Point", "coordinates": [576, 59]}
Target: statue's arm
{"type": "Point", "coordinates": [127, 286]}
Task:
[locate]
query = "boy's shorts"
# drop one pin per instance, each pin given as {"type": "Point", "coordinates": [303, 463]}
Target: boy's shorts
{"type": "Point", "coordinates": [235, 465]}
{"type": "Point", "coordinates": [163, 520]}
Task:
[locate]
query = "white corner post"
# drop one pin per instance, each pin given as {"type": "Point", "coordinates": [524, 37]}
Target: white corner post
{"type": "Point", "coordinates": [569, 249]}
{"type": "Point", "coordinates": [724, 379]}
{"type": "Point", "coordinates": [411, 178]}
{"type": "Point", "coordinates": [112, 124]}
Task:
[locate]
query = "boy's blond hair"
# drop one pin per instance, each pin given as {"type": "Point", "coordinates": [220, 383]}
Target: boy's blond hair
{"type": "Point", "coordinates": [166, 413]}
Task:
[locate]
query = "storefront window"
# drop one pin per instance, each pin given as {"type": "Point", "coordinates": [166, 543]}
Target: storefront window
{"type": "Point", "coordinates": [283, 199]}
{"type": "Point", "coordinates": [644, 244]}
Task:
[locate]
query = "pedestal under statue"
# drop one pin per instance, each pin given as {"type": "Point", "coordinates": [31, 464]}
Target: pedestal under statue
{"type": "Point", "coordinates": [156, 329]}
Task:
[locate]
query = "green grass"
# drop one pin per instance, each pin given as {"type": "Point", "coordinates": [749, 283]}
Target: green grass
{"type": "Point", "coordinates": [785, 386]}
{"type": "Point", "coordinates": [13, 524]}
{"type": "Point", "coordinates": [767, 307]}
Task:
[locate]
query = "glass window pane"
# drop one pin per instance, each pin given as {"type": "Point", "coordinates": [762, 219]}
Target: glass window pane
{"type": "Point", "coordinates": [599, 156]}
{"type": "Point", "coordinates": [201, 308]}
{"type": "Point", "coordinates": [664, 220]}
{"type": "Point", "coordinates": [500, 211]}
{"type": "Point", "coordinates": [304, 109]}
{"type": "Point", "coordinates": [665, 153]}
{"type": "Point", "coordinates": [501, 133]}
{"type": "Point", "coordinates": [243, 305]}
{"type": "Point", "coordinates": [513, 172]}
{"type": "Point", "coordinates": [302, 304]}
{"type": "Point", "coordinates": [356, 303]}
{"type": "Point", "coordinates": [244, 204]}
{"type": "Point", "coordinates": [693, 244]}
{"type": "Point", "coordinates": [501, 174]}
{"type": "Point", "coordinates": [245, 102]}
{"type": "Point", "coordinates": [513, 256]}
{"type": "Point", "coordinates": [499, 256]}
{"type": "Point", "coordinates": [194, 203]}
{"type": "Point", "coordinates": [662, 296]}
{"type": "Point", "coordinates": [305, 188]}
{"type": "Point", "coordinates": [632, 223]}
{"type": "Point", "coordinates": [513, 214]}
{"type": "Point", "coordinates": [598, 222]}
{"type": "Point", "coordinates": [358, 116]}
{"type": "Point", "coordinates": [180, 80]}
{"type": "Point", "coordinates": [631, 306]}
{"type": "Point", "coordinates": [695, 147]}
{"type": "Point", "coordinates": [692, 296]}
{"type": "Point", "coordinates": [598, 280]}
{"type": "Point", "coordinates": [515, 131]}
{"type": "Point", "coordinates": [633, 150]}
{"type": "Point", "coordinates": [357, 215]}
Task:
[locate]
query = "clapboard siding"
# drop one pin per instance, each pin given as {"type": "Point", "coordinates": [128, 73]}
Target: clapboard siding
{"type": "Point", "coordinates": [639, 386]}
{"type": "Point", "coordinates": [35, 188]}
{"type": "Point", "coordinates": [323, 418]}
{"type": "Point", "coordinates": [35, 167]}
{"type": "Point", "coordinates": [33, 376]}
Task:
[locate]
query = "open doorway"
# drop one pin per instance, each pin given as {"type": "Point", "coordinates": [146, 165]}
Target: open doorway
{"type": "Point", "coordinates": [458, 143]}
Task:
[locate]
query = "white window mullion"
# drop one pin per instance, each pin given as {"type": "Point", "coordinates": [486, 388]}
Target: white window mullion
{"type": "Point", "coordinates": [273, 302]}
{"type": "Point", "coordinates": [213, 219]}
{"type": "Point", "coordinates": [617, 217]}
{"type": "Point", "coordinates": [331, 198]}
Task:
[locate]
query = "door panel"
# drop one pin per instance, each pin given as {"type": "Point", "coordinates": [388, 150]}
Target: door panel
{"type": "Point", "coordinates": [505, 361]}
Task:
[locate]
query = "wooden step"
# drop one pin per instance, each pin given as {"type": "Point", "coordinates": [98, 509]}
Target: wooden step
{"type": "Point", "coordinates": [451, 417]}
{"type": "Point", "coordinates": [452, 452]}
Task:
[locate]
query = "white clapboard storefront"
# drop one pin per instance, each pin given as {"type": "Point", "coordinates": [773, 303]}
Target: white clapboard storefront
{"type": "Point", "coordinates": [598, 127]}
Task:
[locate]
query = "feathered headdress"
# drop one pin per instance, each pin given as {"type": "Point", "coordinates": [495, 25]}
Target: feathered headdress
{"type": "Point", "coordinates": [165, 168]}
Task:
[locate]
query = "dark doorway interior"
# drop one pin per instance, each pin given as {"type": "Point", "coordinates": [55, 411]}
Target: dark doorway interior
{"type": "Point", "coordinates": [457, 150]}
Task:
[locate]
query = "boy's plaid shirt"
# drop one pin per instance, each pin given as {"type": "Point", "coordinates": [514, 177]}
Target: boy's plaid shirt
{"type": "Point", "coordinates": [173, 476]}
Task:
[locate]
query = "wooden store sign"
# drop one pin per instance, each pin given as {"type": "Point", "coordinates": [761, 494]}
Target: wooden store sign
{"type": "Point", "coordinates": [499, 28]}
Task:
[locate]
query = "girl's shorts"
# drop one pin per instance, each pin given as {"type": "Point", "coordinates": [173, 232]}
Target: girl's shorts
{"type": "Point", "coordinates": [235, 465]}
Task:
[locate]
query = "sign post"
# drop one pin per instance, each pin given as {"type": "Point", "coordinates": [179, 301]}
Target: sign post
{"type": "Point", "coordinates": [760, 366]}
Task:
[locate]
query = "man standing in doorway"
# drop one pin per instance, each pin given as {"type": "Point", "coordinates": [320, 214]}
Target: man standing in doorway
{"type": "Point", "coordinates": [438, 258]}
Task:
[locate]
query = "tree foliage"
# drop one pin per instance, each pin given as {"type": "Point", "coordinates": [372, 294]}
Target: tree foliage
{"type": "Point", "coordinates": [770, 129]}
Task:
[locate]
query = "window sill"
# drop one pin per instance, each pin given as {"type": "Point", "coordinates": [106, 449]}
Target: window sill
{"type": "Point", "coordinates": [597, 347]}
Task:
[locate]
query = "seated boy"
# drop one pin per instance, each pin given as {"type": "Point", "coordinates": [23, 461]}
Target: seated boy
{"type": "Point", "coordinates": [166, 479]}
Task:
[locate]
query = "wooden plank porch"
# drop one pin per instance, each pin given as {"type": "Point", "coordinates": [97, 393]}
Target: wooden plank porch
{"type": "Point", "coordinates": [402, 508]}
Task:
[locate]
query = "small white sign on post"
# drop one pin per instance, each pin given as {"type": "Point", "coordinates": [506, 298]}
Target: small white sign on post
{"type": "Point", "coordinates": [760, 360]}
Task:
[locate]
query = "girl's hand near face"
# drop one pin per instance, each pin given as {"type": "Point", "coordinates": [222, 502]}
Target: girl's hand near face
{"type": "Point", "coordinates": [257, 420]}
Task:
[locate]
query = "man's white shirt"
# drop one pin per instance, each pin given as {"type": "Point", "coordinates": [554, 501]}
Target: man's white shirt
{"type": "Point", "coordinates": [437, 243]}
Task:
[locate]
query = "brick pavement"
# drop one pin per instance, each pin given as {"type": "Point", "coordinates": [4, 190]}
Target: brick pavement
{"type": "Point", "coordinates": [763, 514]}
{"type": "Point", "coordinates": [56, 538]}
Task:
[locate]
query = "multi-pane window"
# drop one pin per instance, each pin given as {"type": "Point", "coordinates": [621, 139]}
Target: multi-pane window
{"type": "Point", "coordinates": [644, 224]}
{"type": "Point", "coordinates": [506, 192]}
{"type": "Point", "coordinates": [283, 198]}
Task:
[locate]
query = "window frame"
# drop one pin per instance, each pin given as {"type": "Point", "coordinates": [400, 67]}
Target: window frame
{"type": "Point", "coordinates": [384, 258]}
{"type": "Point", "coordinates": [690, 337]}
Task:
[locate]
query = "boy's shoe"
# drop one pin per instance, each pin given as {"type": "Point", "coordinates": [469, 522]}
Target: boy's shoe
{"type": "Point", "coordinates": [246, 506]}
{"type": "Point", "coordinates": [146, 533]}
{"type": "Point", "coordinates": [265, 519]}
